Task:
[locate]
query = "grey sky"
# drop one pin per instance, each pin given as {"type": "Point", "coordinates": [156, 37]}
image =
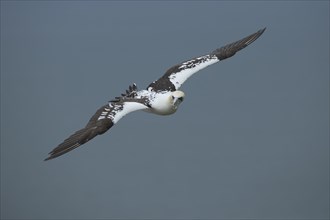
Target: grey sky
{"type": "Point", "coordinates": [251, 139]}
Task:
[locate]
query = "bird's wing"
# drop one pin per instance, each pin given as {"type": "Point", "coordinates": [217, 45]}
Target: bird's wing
{"type": "Point", "coordinates": [100, 122]}
{"type": "Point", "coordinates": [178, 74]}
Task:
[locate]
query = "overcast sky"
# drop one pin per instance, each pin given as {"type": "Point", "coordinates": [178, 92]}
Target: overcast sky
{"type": "Point", "coordinates": [250, 140]}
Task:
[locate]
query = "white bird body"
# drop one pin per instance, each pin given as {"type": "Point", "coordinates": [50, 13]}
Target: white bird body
{"type": "Point", "coordinates": [164, 103]}
{"type": "Point", "coordinates": [161, 97]}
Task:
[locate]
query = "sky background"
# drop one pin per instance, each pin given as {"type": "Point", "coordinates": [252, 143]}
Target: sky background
{"type": "Point", "coordinates": [251, 139]}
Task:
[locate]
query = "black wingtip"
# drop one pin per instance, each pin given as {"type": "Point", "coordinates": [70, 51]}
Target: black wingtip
{"type": "Point", "coordinates": [261, 31]}
{"type": "Point", "coordinates": [51, 155]}
{"type": "Point", "coordinates": [48, 158]}
{"type": "Point", "coordinates": [230, 50]}
{"type": "Point", "coordinates": [250, 39]}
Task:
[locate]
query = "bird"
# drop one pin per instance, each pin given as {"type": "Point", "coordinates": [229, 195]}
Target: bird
{"type": "Point", "coordinates": [161, 97]}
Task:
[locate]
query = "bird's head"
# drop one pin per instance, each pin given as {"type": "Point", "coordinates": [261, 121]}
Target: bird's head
{"type": "Point", "coordinates": [176, 98]}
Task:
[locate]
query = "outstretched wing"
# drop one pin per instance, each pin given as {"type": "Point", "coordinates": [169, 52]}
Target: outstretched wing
{"type": "Point", "coordinates": [100, 122]}
{"type": "Point", "coordinates": [178, 74]}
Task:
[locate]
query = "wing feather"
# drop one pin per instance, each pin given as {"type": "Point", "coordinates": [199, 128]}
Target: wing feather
{"type": "Point", "coordinates": [104, 118]}
{"type": "Point", "coordinates": [178, 74]}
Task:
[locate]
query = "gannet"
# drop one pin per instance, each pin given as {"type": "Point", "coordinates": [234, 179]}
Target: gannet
{"type": "Point", "coordinates": [161, 97]}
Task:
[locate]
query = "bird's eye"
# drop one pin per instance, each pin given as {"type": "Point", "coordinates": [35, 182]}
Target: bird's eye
{"type": "Point", "coordinates": [173, 97]}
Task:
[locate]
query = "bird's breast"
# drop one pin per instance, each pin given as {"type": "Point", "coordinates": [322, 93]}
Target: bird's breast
{"type": "Point", "coordinates": [160, 104]}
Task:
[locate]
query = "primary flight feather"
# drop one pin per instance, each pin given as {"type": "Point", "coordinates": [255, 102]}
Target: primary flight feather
{"type": "Point", "coordinates": [161, 97]}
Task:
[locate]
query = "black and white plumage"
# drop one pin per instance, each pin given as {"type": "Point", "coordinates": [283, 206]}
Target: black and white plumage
{"type": "Point", "coordinates": [161, 97]}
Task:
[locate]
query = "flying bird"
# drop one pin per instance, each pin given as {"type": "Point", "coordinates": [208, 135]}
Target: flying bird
{"type": "Point", "coordinates": [161, 97]}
